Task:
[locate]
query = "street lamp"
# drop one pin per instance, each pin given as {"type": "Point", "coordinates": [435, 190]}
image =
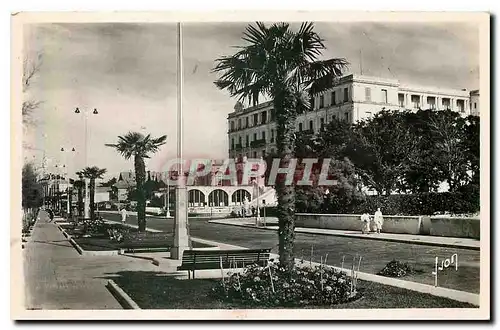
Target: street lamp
{"type": "Point", "coordinates": [86, 197]}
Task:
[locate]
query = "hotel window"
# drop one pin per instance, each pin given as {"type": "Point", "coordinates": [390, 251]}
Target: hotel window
{"type": "Point", "coordinates": [239, 140]}
{"type": "Point", "coordinates": [232, 143]}
{"type": "Point", "coordinates": [461, 105]}
{"type": "Point", "coordinates": [346, 94]}
{"type": "Point", "coordinates": [431, 101]}
{"type": "Point", "coordinates": [475, 105]}
{"type": "Point", "coordinates": [311, 125]}
{"type": "Point", "coordinates": [300, 127]}
{"type": "Point", "coordinates": [273, 114]}
{"type": "Point", "coordinates": [401, 100]}
{"type": "Point", "coordinates": [384, 96]}
{"type": "Point", "coordinates": [246, 122]}
{"type": "Point", "coordinates": [255, 154]}
{"type": "Point", "coordinates": [255, 119]}
{"type": "Point", "coordinates": [232, 125]}
{"type": "Point", "coordinates": [334, 101]}
{"type": "Point", "coordinates": [247, 141]}
{"type": "Point", "coordinates": [264, 136]}
{"type": "Point", "coordinates": [446, 103]}
{"type": "Point", "coordinates": [264, 117]}
{"type": "Point", "coordinates": [346, 116]}
{"type": "Point", "coordinates": [368, 94]}
{"type": "Point", "coordinates": [322, 123]}
{"type": "Point", "coordinates": [415, 101]}
{"type": "Point", "coordinates": [272, 135]}
{"type": "Point", "coordinates": [321, 101]}
{"type": "Point", "coordinates": [239, 123]}
{"type": "Point", "coordinates": [255, 136]}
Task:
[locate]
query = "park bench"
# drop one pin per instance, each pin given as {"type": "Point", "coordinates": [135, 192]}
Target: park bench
{"type": "Point", "coordinates": [147, 241]}
{"type": "Point", "coordinates": [193, 260]}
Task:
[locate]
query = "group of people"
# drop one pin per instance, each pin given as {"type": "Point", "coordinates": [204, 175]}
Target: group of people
{"type": "Point", "coordinates": [378, 221]}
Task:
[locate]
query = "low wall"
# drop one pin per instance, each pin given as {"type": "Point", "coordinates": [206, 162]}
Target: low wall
{"type": "Point", "coordinates": [392, 223]}
{"type": "Point", "coordinates": [415, 225]}
{"type": "Point", "coordinates": [455, 227]}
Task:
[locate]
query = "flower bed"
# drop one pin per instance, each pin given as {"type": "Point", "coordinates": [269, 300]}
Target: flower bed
{"type": "Point", "coordinates": [273, 286]}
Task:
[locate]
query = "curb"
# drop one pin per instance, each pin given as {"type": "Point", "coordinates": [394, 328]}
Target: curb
{"type": "Point", "coordinates": [154, 261]}
{"type": "Point", "coordinates": [301, 231]}
{"type": "Point", "coordinates": [120, 295]}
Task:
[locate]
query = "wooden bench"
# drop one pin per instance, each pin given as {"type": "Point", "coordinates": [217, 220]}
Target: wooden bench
{"type": "Point", "coordinates": [193, 260]}
{"type": "Point", "coordinates": [147, 242]}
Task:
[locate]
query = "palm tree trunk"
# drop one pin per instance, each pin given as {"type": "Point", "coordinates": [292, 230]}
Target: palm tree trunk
{"type": "Point", "coordinates": [70, 201]}
{"type": "Point", "coordinates": [80, 199]}
{"type": "Point", "coordinates": [140, 177]}
{"type": "Point", "coordinates": [92, 198]}
{"type": "Point", "coordinates": [286, 193]}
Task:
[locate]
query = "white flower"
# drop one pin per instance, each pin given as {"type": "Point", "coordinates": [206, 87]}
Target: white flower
{"type": "Point", "coordinates": [256, 279]}
{"type": "Point", "coordinates": [328, 288]}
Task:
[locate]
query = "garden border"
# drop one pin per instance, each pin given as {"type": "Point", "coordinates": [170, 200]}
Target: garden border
{"type": "Point", "coordinates": [121, 296]}
{"type": "Point", "coordinates": [87, 253]}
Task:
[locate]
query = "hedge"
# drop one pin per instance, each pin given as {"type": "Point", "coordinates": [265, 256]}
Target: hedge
{"type": "Point", "coordinates": [464, 201]}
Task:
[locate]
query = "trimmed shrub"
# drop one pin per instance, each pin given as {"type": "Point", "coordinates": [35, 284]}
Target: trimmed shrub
{"type": "Point", "coordinates": [272, 286]}
{"type": "Point", "coordinates": [398, 269]}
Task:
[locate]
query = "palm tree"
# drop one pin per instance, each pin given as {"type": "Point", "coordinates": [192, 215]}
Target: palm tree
{"type": "Point", "coordinates": [93, 173]}
{"type": "Point", "coordinates": [282, 65]}
{"type": "Point", "coordinates": [79, 184]}
{"type": "Point", "coordinates": [139, 146]}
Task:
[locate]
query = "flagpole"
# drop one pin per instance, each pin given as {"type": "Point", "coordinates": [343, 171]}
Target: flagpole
{"type": "Point", "coordinates": [181, 239]}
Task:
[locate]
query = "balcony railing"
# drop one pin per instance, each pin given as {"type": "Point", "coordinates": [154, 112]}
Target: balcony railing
{"type": "Point", "coordinates": [258, 143]}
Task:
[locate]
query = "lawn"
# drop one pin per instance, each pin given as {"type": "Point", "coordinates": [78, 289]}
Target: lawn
{"type": "Point", "coordinates": [151, 290]}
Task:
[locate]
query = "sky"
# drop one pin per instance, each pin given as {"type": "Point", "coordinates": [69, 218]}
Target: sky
{"type": "Point", "coordinates": [128, 73]}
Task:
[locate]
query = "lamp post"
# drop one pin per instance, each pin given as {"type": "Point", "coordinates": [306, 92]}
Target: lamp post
{"type": "Point", "coordinates": [86, 196]}
{"type": "Point", "coordinates": [257, 214]}
{"type": "Point", "coordinates": [181, 239]}
{"type": "Point", "coordinates": [67, 181]}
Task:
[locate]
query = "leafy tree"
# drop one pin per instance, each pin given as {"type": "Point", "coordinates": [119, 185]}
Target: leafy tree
{"type": "Point", "coordinates": [447, 129]}
{"type": "Point", "coordinates": [282, 65]}
{"type": "Point", "coordinates": [381, 150]}
{"type": "Point", "coordinates": [93, 173]}
{"type": "Point", "coordinates": [31, 68]}
{"type": "Point", "coordinates": [136, 145]}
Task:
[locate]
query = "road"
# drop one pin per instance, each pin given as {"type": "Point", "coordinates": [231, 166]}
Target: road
{"type": "Point", "coordinates": [375, 254]}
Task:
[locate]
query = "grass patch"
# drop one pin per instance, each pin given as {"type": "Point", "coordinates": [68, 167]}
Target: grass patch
{"type": "Point", "coordinates": [154, 290]}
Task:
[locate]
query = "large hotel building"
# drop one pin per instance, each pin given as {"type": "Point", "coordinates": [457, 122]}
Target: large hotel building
{"type": "Point", "coordinates": [252, 131]}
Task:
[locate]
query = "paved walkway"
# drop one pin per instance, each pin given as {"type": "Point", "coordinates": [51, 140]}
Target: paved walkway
{"type": "Point", "coordinates": [57, 277]}
{"type": "Point", "coordinates": [453, 242]}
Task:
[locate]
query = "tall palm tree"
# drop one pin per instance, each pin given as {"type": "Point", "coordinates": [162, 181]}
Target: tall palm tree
{"type": "Point", "coordinates": [93, 173]}
{"type": "Point", "coordinates": [282, 65]}
{"type": "Point", "coordinates": [79, 184]}
{"type": "Point", "coordinates": [139, 146]}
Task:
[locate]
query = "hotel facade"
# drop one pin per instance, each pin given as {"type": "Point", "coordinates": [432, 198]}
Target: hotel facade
{"type": "Point", "coordinates": [252, 131]}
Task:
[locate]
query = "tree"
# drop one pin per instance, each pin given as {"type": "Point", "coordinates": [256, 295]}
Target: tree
{"type": "Point", "coordinates": [381, 149]}
{"type": "Point", "coordinates": [31, 67]}
{"type": "Point", "coordinates": [136, 145]}
{"type": "Point", "coordinates": [79, 185]}
{"type": "Point", "coordinates": [448, 130]}
{"type": "Point", "coordinates": [282, 65]}
{"type": "Point", "coordinates": [32, 197]}
{"type": "Point", "coordinates": [93, 173]}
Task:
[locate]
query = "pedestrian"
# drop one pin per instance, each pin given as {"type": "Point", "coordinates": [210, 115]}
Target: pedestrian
{"type": "Point", "coordinates": [365, 223]}
{"type": "Point", "coordinates": [253, 210]}
{"type": "Point", "coordinates": [124, 215]}
{"type": "Point", "coordinates": [378, 218]}
{"type": "Point", "coordinates": [51, 214]}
